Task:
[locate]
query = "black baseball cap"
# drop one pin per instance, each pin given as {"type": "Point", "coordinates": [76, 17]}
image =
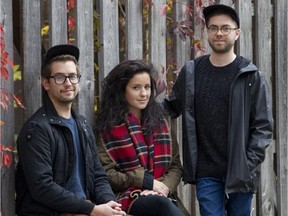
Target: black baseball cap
{"type": "Point", "coordinates": [221, 9]}
{"type": "Point", "coordinates": [63, 49]}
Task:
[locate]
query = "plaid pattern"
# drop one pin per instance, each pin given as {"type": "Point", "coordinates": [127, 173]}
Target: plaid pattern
{"type": "Point", "coordinates": [130, 148]}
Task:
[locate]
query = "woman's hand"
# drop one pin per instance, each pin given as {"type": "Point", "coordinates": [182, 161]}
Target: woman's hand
{"type": "Point", "coordinates": [160, 188]}
{"type": "Point", "coordinates": [149, 192]}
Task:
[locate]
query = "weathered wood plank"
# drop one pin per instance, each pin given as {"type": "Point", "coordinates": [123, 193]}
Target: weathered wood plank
{"type": "Point", "coordinates": [182, 52]}
{"type": "Point", "coordinates": [157, 39]}
{"type": "Point", "coordinates": [31, 53]}
{"type": "Point", "coordinates": [263, 42]}
{"type": "Point", "coordinates": [281, 103]}
{"type": "Point", "coordinates": [57, 22]}
{"type": "Point", "coordinates": [244, 45]}
{"type": "Point", "coordinates": [7, 131]}
{"type": "Point", "coordinates": [225, 2]}
{"type": "Point", "coordinates": [134, 30]}
{"type": "Point", "coordinates": [108, 37]}
{"type": "Point", "coordinates": [85, 43]}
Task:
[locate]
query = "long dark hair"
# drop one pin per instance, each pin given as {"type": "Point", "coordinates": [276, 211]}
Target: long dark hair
{"type": "Point", "coordinates": [113, 105]}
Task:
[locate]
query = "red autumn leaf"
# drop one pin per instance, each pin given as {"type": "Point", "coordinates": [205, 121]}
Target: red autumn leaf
{"type": "Point", "coordinates": [6, 159]}
{"type": "Point", "coordinates": [70, 5]}
{"type": "Point", "coordinates": [197, 43]}
{"type": "Point", "coordinates": [183, 29]}
{"type": "Point", "coordinates": [71, 23]}
{"type": "Point", "coordinates": [4, 98]}
{"type": "Point", "coordinates": [19, 101]}
{"type": "Point", "coordinates": [8, 61]}
{"type": "Point", "coordinates": [189, 10]}
{"type": "Point", "coordinates": [160, 81]}
{"type": "Point", "coordinates": [6, 148]}
{"type": "Point", "coordinates": [4, 72]}
{"type": "Point", "coordinates": [148, 2]}
{"type": "Point", "coordinates": [164, 9]}
{"type": "Point", "coordinates": [6, 155]}
{"type": "Point", "coordinates": [199, 3]}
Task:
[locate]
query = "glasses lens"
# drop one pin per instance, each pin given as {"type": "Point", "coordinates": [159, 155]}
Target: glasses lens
{"type": "Point", "coordinates": [59, 79]}
{"type": "Point", "coordinates": [213, 29]}
{"type": "Point", "coordinates": [226, 30]}
{"type": "Point", "coordinates": [74, 78]}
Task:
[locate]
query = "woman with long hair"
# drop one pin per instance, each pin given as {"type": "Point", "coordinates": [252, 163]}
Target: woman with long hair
{"type": "Point", "coordinates": [135, 144]}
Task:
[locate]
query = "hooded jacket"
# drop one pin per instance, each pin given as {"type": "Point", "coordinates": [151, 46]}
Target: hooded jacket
{"type": "Point", "coordinates": [45, 148]}
{"type": "Point", "coordinates": [249, 129]}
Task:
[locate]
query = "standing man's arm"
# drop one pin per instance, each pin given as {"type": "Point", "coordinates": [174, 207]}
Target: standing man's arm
{"type": "Point", "coordinates": [173, 103]}
{"type": "Point", "coordinates": [261, 121]}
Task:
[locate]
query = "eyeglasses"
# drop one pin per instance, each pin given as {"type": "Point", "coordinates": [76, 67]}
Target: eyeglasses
{"type": "Point", "coordinates": [61, 78]}
{"type": "Point", "coordinates": [226, 30]}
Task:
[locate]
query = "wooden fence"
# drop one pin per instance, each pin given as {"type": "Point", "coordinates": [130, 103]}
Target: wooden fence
{"type": "Point", "coordinates": [126, 32]}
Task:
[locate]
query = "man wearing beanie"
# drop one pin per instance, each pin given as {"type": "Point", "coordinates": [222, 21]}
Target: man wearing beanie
{"type": "Point", "coordinates": [227, 119]}
{"type": "Point", "coordinates": [59, 172]}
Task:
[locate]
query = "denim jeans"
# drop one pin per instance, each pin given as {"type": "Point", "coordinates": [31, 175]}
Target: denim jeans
{"type": "Point", "coordinates": [214, 202]}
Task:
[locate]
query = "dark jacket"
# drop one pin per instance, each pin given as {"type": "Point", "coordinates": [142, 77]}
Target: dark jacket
{"type": "Point", "coordinates": [250, 125]}
{"type": "Point", "coordinates": [45, 148]}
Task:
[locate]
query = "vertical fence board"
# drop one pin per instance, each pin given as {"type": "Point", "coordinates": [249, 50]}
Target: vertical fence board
{"type": "Point", "coordinates": [7, 131]}
{"type": "Point", "coordinates": [182, 52]}
{"type": "Point", "coordinates": [108, 37]}
{"type": "Point", "coordinates": [281, 88]}
{"type": "Point", "coordinates": [225, 2]}
{"type": "Point", "coordinates": [134, 29]}
{"type": "Point", "coordinates": [157, 38]}
{"type": "Point", "coordinates": [2, 13]}
{"type": "Point", "coordinates": [58, 22]}
{"type": "Point", "coordinates": [31, 54]}
{"type": "Point", "coordinates": [244, 44]}
{"type": "Point", "coordinates": [263, 15]}
{"type": "Point", "coordinates": [85, 43]}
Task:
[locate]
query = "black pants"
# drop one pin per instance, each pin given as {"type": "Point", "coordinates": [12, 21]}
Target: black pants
{"type": "Point", "coordinates": [154, 206]}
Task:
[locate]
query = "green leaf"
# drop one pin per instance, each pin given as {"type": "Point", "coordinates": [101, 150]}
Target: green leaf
{"type": "Point", "coordinates": [17, 73]}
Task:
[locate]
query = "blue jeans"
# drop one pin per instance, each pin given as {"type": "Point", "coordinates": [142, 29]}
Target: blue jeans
{"type": "Point", "coordinates": [214, 202]}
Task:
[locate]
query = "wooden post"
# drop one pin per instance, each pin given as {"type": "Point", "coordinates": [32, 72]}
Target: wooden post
{"type": "Point", "coordinates": [134, 31]}
{"type": "Point", "coordinates": [267, 189]}
{"type": "Point", "coordinates": [57, 22]}
{"type": "Point", "coordinates": [182, 52]}
{"type": "Point", "coordinates": [157, 39]}
{"type": "Point", "coordinates": [31, 53]}
{"type": "Point", "coordinates": [85, 43]}
{"type": "Point", "coordinates": [7, 190]}
{"type": "Point", "coordinates": [244, 45]}
{"type": "Point", "coordinates": [281, 104]}
{"type": "Point", "coordinates": [108, 37]}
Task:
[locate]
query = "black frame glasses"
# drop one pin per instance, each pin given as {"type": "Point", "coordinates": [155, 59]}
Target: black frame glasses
{"type": "Point", "coordinates": [226, 30]}
{"type": "Point", "coordinates": [61, 78]}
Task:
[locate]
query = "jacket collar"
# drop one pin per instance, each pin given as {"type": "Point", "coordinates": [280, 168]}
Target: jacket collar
{"type": "Point", "coordinates": [50, 109]}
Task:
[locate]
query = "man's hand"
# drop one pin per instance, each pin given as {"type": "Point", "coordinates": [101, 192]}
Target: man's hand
{"type": "Point", "coordinates": [109, 209]}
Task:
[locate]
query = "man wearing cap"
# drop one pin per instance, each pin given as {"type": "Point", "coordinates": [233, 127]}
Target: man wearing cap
{"type": "Point", "coordinates": [226, 118]}
{"type": "Point", "coordinates": [59, 172]}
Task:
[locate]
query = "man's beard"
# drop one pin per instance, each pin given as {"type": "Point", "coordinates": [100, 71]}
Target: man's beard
{"type": "Point", "coordinates": [223, 50]}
